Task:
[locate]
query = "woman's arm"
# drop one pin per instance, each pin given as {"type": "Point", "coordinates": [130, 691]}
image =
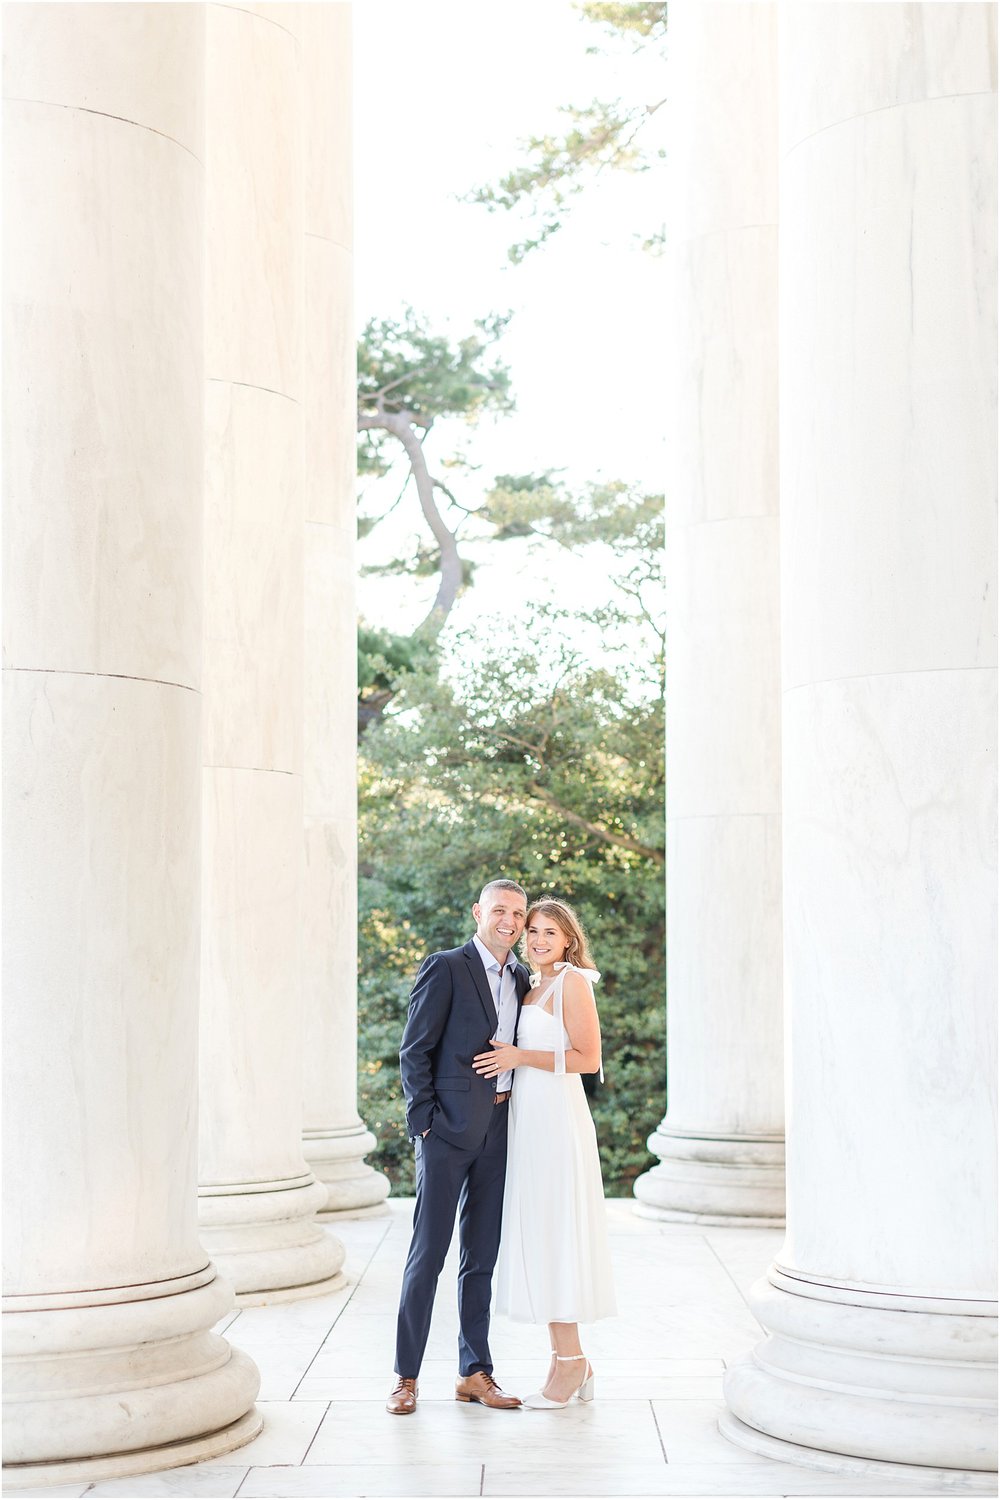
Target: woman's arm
{"type": "Point", "coordinates": [583, 1055]}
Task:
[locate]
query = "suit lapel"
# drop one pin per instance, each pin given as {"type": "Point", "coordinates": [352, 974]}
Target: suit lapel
{"type": "Point", "coordinates": [481, 982]}
{"type": "Point", "coordinates": [523, 986]}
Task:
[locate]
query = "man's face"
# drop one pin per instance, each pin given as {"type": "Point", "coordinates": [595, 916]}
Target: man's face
{"type": "Point", "coordinates": [500, 920]}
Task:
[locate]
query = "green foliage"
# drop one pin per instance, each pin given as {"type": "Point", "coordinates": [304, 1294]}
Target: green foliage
{"type": "Point", "coordinates": [628, 520]}
{"type": "Point", "coordinates": [647, 21]}
{"type": "Point", "coordinates": [404, 367]}
{"type": "Point", "coordinates": [530, 759]}
{"type": "Point", "coordinates": [600, 135]}
{"type": "Point", "coordinates": [540, 766]}
{"type": "Point", "coordinates": [384, 658]}
{"type": "Point", "coordinates": [557, 167]}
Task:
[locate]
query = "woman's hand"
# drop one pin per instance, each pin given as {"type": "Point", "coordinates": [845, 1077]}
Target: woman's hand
{"type": "Point", "coordinates": [500, 1060]}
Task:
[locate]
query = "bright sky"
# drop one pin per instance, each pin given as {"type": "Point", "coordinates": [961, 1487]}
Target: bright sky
{"type": "Point", "coordinates": [444, 89]}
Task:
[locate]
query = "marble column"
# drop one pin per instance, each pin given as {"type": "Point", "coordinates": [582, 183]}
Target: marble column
{"type": "Point", "coordinates": [334, 1140]}
{"type": "Point", "coordinates": [110, 1366]}
{"type": "Point", "coordinates": [258, 1196]}
{"type": "Point", "coordinates": [721, 1144]}
{"type": "Point", "coordinates": [881, 1331]}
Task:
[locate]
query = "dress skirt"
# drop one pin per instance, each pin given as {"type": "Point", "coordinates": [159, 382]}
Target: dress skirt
{"type": "Point", "coordinates": [554, 1264]}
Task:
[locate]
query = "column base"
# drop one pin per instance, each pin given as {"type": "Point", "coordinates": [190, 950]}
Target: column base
{"type": "Point", "coordinates": [852, 1373]}
{"type": "Point", "coordinates": [337, 1160]}
{"type": "Point", "coordinates": [924, 1479]}
{"type": "Point", "coordinates": [265, 1240]}
{"type": "Point", "coordinates": [122, 1380]}
{"type": "Point", "coordinates": [726, 1180]}
{"type": "Point", "coordinates": [143, 1461]}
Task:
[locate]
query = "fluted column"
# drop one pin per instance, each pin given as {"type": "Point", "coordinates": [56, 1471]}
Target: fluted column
{"type": "Point", "coordinates": [258, 1196]}
{"type": "Point", "coordinates": [110, 1366]}
{"type": "Point", "coordinates": [721, 1145]}
{"type": "Point", "coordinates": [335, 1140]}
{"type": "Point", "coordinates": [881, 1329]}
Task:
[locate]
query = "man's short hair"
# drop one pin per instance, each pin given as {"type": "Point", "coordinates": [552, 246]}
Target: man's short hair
{"type": "Point", "coordinates": [502, 885]}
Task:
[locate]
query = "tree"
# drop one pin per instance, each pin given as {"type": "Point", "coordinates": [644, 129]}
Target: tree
{"type": "Point", "coordinates": [519, 755]}
{"type": "Point", "coordinates": [536, 763]}
{"type": "Point", "coordinates": [409, 379]}
{"type": "Point", "coordinates": [602, 135]}
{"type": "Point", "coordinates": [626, 522]}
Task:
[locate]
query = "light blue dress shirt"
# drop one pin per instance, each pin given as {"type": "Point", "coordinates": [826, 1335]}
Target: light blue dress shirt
{"type": "Point", "coordinates": [503, 988]}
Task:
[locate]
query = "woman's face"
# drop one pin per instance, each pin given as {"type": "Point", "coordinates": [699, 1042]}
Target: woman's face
{"type": "Point", "coordinates": [547, 942]}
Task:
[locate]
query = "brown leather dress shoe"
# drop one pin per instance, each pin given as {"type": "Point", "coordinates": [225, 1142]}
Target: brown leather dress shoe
{"type": "Point", "coordinates": [483, 1388]}
{"type": "Point", "coordinates": [403, 1399]}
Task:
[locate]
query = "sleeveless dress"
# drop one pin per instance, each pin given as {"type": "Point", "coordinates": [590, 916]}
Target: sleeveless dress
{"type": "Point", "coordinates": [554, 1264]}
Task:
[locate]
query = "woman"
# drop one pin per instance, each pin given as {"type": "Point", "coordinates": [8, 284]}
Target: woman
{"type": "Point", "coordinates": [555, 1264]}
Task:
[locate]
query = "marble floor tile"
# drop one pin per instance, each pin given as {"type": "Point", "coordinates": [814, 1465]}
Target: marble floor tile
{"type": "Point", "coordinates": [49, 1492]}
{"type": "Point", "coordinates": [356, 1357]}
{"type": "Point", "coordinates": [281, 1366]}
{"type": "Point", "coordinates": [365, 1226]}
{"type": "Point", "coordinates": [623, 1219]}
{"type": "Point", "coordinates": [197, 1481]}
{"type": "Point", "coordinates": [329, 1481]}
{"type": "Point", "coordinates": [360, 1258]}
{"type": "Point", "coordinates": [372, 1296]}
{"type": "Point", "coordinates": [289, 1429]}
{"type": "Point", "coordinates": [661, 1250]}
{"type": "Point", "coordinates": [296, 1320]}
{"type": "Point", "coordinates": [697, 1331]}
{"type": "Point", "coordinates": [690, 1434]}
{"type": "Point", "coordinates": [746, 1260]}
{"type": "Point", "coordinates": [739, 1480]}
{"type": "Point", "coordinates": [728, 1238]}
{"type": "Point", "coordinates": [643, 1288]}
{"type": "Point", "coordinates": [605, 1431]}
{"type": "Point", "coordinates": [367, 1345]}
{"type": "Point", "coordinates": [381, 1272]}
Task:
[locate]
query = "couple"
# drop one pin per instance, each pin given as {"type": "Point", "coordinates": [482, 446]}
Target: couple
{"type": "Point", "coordinates": [491, 1148]}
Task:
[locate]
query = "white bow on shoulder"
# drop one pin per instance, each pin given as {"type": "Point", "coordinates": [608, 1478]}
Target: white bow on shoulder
{"type": "Point", "coordinates": [535, 979]}
{"type": "Point", "coordinates": [590, 974]}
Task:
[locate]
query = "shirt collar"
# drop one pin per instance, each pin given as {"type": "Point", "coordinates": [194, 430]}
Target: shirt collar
{"type": "Point", "coordinates": [489, 961]}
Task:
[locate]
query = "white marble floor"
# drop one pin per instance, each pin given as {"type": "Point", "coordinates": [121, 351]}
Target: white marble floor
{"type": "Point", "coordinates": [326, 1365]}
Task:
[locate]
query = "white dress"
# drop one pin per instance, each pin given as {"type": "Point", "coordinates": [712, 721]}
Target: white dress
{"type": "Point", "coordinates": [554, 1264]}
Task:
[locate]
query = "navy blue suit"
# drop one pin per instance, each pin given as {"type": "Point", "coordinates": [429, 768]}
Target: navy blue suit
{"type": "Point", "coordinates": [462, 1162]}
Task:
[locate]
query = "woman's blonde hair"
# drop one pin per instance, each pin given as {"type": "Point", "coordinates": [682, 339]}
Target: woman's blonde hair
{"type": "Point", "coordinates": [578, 951]}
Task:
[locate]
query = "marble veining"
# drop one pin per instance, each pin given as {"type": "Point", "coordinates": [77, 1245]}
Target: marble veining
{"type": "Point", "coordinates": [723, 668]}
{"type": "Point", "coordinates": [889, 56]}
{"type": "Point", "coordinates": [121, 63]}
{"type": "Point", "coordinates": [889, 304]}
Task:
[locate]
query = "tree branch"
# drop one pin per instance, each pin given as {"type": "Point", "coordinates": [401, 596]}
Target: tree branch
{"type": "Point", "coordinates": [401, 426]}
{"type": "Point", "coordinates": [401, 380]}
{"type": "Point", "coordinates": [622, 840]}
{"type": "Point", "coordinates": [440, 485]}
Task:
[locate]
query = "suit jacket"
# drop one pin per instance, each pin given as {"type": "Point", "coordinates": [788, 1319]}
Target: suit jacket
{"type": "Point", "coordinates": [451, 1018]}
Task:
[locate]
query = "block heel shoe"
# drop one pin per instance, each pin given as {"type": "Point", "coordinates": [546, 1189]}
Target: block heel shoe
{"type": "Point", "coordinates": [583, 1392]}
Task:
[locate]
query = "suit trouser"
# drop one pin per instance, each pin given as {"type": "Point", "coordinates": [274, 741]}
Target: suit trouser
{"type": "Point", "coordinates": [471, 1181]}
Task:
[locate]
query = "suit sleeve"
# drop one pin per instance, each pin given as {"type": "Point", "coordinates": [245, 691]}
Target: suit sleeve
{"type": "Point", "coordinates": [430, 1005]}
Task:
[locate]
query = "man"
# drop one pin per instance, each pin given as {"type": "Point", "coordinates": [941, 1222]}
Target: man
{"type": "Point", "coordinates": [462, 999]}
